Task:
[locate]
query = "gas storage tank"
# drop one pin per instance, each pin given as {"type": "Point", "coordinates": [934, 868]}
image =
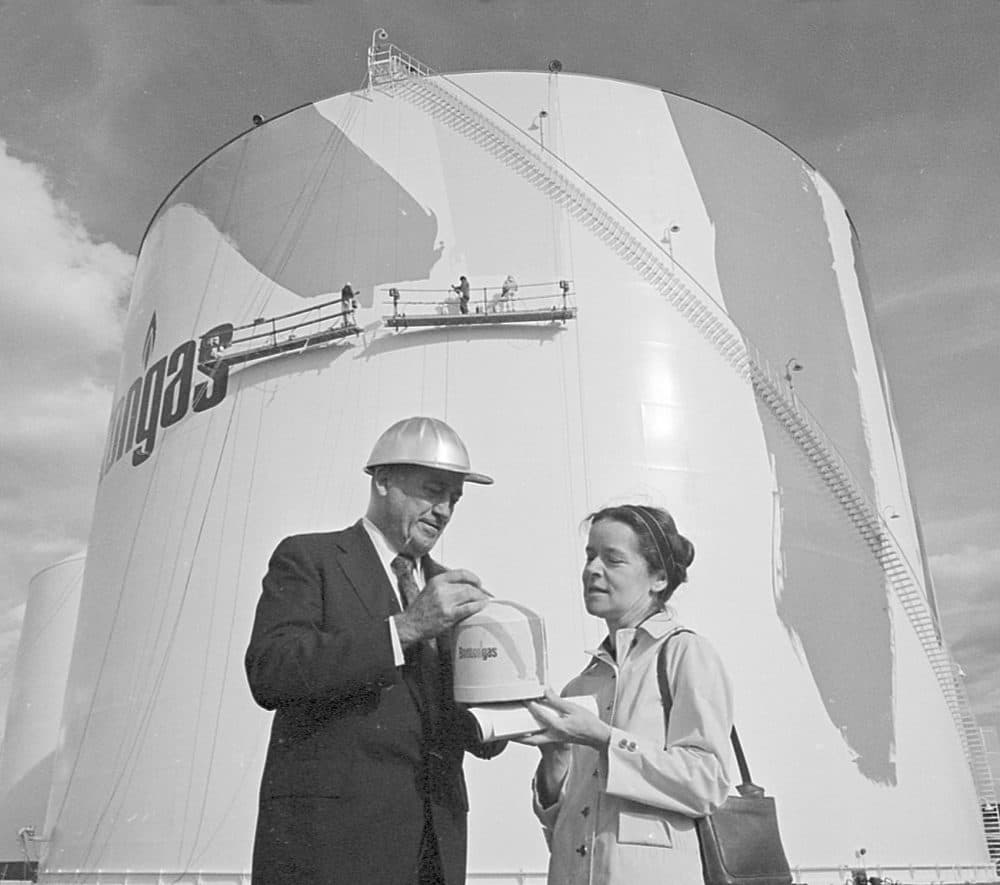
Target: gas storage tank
{"type": "Point", "coordinates": [689, 330]}
{"type": "Point", "coordinates": [34, 712]}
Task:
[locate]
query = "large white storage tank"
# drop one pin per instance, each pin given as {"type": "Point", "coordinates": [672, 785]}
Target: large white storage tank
{"type": "Point", "coordinates": [34, 712]}
{"type": "Point", "coordinates": [699, 252]}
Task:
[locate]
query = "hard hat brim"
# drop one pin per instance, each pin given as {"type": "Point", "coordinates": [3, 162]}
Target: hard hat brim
{"type": "Point", "coordinates": [468, 476]}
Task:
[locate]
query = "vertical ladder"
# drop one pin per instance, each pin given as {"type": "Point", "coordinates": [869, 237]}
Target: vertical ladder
{"type": "Point", "coordinates": [401, 75]}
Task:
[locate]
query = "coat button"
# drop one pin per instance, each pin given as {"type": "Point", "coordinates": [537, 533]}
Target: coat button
{"type": "Point", "coordinates": [623, 744]}
{"type": "Point", "coordinates": [631, 745]}
{"type": "Point", "coordinates": [582, 851]}
{"type": "Point", "coordinates": [585, 810]}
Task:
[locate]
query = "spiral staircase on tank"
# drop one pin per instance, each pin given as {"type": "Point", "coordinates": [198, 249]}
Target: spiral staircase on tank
{"type": "Point", "coordinates": [399, 74]}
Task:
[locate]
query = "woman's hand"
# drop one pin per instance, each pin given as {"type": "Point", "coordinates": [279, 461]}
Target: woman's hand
{"type": "Point", "coordinates": [566, 723]}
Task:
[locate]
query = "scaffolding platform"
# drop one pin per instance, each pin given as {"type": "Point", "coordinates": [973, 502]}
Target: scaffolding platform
{"type": "Point", "coordinates": [495, 307]}
{"type": "Point", "coordinates": [227, 356]}
{"type": "Point", "coordinates": [552, 315]}
{"type": "Point", "coordinates": [265, 337]}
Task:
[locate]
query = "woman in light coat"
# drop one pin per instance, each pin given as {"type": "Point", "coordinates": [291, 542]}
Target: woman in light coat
{"type": "Point", "coordinates": [617, 793]}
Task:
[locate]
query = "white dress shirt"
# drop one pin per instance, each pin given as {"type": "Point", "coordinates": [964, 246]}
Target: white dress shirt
{"type": "Point", "coordinates": [386, 554]}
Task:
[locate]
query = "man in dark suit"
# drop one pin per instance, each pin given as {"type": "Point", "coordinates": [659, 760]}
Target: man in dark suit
{"type": "Point", "coordinates": [363, 780]}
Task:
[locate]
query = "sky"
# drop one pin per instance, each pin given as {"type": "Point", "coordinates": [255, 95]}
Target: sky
{"type": "Point", "coordinates": [104, 106]}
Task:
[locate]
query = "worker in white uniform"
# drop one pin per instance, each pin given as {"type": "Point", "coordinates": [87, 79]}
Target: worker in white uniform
{"type": "Point", "coordinates": [617, 794]}
{"type": "Point", "coordinates": [508, 292]}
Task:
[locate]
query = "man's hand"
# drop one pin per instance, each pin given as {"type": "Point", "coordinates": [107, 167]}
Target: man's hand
{"type": "Point", "coordinates": [446, 599]}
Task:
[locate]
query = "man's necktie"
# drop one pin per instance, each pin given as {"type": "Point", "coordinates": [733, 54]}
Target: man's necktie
{"type": "Point", "coordinates": [424, 653]}
{"type": "Point", "coordinates": [402, 566]}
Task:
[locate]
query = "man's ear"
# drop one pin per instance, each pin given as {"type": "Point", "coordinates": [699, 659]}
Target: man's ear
{"type": "Point", "coordinates": [381, 477]}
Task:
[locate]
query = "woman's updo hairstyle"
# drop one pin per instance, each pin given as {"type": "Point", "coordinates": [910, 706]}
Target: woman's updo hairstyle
{"type": "Point", "coordinates": [665, 550]}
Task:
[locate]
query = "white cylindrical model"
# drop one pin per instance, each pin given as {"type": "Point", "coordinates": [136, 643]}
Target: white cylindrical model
{"type": "Point", "coordinates": [499, 655]}
{"type": "Point", "coordinates": [34, 712]}
{"type": "Point", "coordinates": [689, 330]}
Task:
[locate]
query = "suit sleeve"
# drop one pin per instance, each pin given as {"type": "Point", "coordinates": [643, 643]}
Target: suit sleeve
{"type": "Point", "coordinates": [299, 651]}
{"type": "Point", "coordinates": [690, 774]}
{"type": "Point", "coordinates": [464, 724]}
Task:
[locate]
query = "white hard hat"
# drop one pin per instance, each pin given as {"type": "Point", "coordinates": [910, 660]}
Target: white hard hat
{"type": "Point", "coordinates": [426, 442]}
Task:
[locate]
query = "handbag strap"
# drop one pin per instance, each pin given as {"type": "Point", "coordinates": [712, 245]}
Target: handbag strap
{"type": "Point", "coordinates": [747, 787]}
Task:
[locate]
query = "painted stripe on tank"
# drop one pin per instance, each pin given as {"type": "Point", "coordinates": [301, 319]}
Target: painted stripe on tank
{"type": "Point", "coordinates": [832, 598]}
{"type": "Point", "coordinates": [277, 195]}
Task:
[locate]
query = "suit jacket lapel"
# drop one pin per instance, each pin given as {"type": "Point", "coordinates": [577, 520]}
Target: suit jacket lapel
{"type": "Point", "coordinates": [361, 565]}
{"type": "Point", "coordinates": [364, 571]}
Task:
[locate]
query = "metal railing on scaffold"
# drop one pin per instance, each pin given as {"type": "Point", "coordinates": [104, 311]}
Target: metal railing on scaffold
{"type": "Point", "coordinates": [492, 305]}
{"type": "Point", "coordinates": [466, 114]}
{"type": "Point", "coordinates": [269, 336]}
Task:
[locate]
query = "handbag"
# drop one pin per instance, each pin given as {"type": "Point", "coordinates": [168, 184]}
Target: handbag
{"type": "Point", "coordinates": [740, 842]}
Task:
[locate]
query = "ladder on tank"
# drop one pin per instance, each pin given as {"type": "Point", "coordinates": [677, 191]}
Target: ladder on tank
{"type": "Point", "coordinates": [396, 73]}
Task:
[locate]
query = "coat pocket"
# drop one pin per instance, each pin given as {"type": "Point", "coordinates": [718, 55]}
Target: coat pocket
{"type": "Point", "coordinates": [644, 828]}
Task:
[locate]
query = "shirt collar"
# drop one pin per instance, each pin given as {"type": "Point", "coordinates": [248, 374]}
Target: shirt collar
{"type": "Point", "coordinates": [386, 552]}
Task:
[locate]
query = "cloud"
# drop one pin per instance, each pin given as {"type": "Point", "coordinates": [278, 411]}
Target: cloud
{"type": "Point", "coordinates": [968, 585]}
{"type": "Point", "coordinates": [972, 565]}
{"type": "Point", "coordinates": [940, 344]}
{"type": "Point", "coordinates": [62, 305]}
{"type": "Point", "coordinates": [971, 527]}
{"type": "Point", "coordinates": [63, 294]}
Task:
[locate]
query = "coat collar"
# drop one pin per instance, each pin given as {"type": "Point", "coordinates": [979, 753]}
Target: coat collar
{"type": "Point", "coordinates": [661, 623]}
{"type": "Point", "coordinates": [656, 626]}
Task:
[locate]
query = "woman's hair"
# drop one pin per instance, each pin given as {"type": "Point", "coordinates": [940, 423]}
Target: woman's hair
{"type": "Point", "coordinates": [665, 549]}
